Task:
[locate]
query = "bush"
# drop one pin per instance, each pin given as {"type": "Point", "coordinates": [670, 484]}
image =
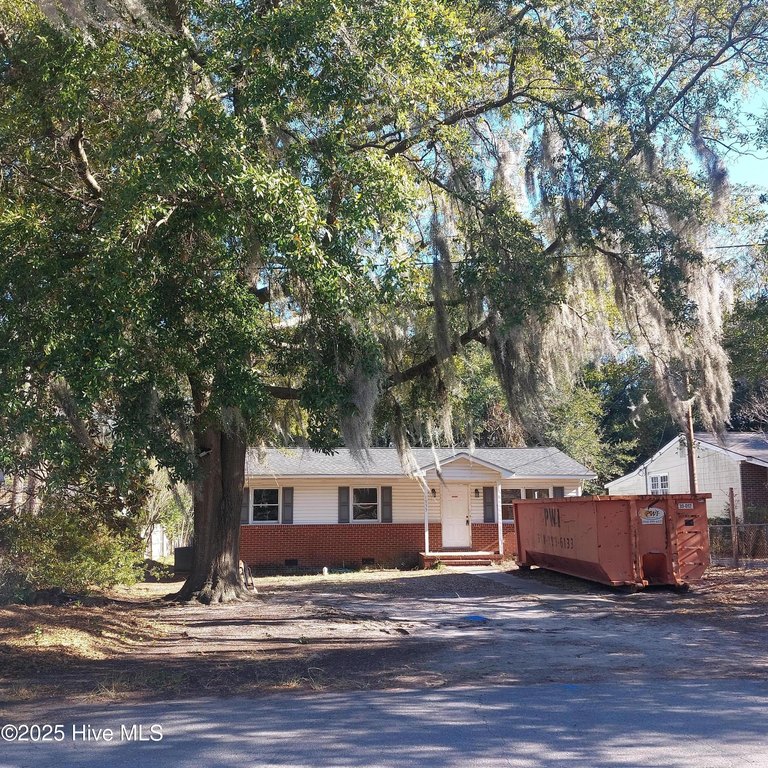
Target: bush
{"type": "Point", "coordinates": [60, 546]}
{"type": "Point", "coordinates": [14, 587]}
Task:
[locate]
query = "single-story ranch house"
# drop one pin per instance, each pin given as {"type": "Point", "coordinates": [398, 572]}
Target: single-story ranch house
{"type": "Point", "coordinates": [307, 509]}
{"type": "Point", "coordinates": [739, 463]}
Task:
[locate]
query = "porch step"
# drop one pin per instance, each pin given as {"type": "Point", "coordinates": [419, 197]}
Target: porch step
{"type": "Point", "coordinates": [428, 560]}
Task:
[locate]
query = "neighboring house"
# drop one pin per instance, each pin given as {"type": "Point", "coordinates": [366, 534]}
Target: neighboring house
{"type": "Point", "coordinates": [17, 493]}
{"type": "Point", "coordinates": [158, 544]}
{"type": "Point", "coordinates": [739, 463]}
{"type": "Point", "coordinates": [307, 509]}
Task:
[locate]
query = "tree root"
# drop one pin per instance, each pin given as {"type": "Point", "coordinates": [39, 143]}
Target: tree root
{"type": "Point", "coordinates": [213, 594]}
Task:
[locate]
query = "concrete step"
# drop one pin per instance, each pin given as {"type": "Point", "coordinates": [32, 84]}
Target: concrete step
{"type": "Point", "coordinates": [458, 558]}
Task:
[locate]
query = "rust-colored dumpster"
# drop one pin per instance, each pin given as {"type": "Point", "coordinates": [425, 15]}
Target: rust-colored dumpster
{"type": "Point", "coordinates": [617, 540]}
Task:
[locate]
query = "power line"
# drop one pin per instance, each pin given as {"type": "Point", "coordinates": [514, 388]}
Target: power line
{"type": "Point", "coordinates": [739, 245]}
{"type": "Point", "coordinates": [380, 265]}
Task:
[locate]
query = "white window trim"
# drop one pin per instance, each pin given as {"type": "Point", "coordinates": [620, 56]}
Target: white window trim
{"type": "Point", "coordinates": [252, 505]}
{"type": "Point", "coordinates": [538, 488]}
{"type": "Point", "coordinates": [651, 478]}
{"type": "Point", "coordinates": [352, 504]}
{"type": "Point", "coordinates": [522, 497]}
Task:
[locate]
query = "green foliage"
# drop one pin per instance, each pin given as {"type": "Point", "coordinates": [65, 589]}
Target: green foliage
{"type": "Point", "coordinates": [756, 514]}
{"type": "Point", "coordinates": [575, 426]}
{"type": "Point", "coordinates": [61, 546]}
{"type": "Point", "coordinates": [632, 413]}
{"type": "Point", "coordinates": [14, 587]}
{"type": "Point", "coordinates": [746, 339]}
{"type": "Point", "coordinates": [235, 199]}
{"type": "Point", "coordinates": [167, 504]}
{"type": "Point", "coordinates": [480, 410]}
{"type": "Point", "coordinates": [213, 207]}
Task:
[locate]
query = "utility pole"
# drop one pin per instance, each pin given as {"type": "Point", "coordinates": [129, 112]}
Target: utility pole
{"type": "Point", "coordinates": [689, 438]}
{"type": "Point", "coordinates": [734, 527]}
{"type": "Point", "coordinates": [691, 455]}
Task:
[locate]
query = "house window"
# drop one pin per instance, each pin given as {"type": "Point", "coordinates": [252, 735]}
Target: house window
{"type": "Point", "coordinates": [266, 505]}
{"type": "Point", "coordinates": [508, 498]}
{"type": "Point", "coordinates": [659, 483]}
{"type": "Point", "coordinates": [537, 493]}
{"type": "Point", "coordinates": [365, 504]}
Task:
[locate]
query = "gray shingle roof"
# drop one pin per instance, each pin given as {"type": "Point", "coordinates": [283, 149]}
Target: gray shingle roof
{"type": "Point", "coordinates": [523, 462]}
{"type": "Point", "coordinates": [750, 445]}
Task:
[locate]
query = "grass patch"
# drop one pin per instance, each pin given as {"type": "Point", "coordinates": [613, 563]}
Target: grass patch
{"type": "Point", "coordinates": [56, 633]}
{"type": "Point", "coordinates": [120, 684]}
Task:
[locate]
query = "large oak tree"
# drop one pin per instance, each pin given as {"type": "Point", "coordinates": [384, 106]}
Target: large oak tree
{"type": "Point", "coordinates": [235, 222]}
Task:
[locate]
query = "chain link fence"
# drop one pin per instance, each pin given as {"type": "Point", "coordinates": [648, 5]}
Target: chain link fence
{"type": "Point", "coordinates": [749, 546]}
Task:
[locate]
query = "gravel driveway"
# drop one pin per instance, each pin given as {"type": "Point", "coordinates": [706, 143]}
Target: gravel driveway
{"type": "Point", "coordinates": [402, 630]}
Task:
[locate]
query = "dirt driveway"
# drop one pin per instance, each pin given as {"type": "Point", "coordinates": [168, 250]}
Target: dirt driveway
{"type": "Point", "coordinates": [386, 629]}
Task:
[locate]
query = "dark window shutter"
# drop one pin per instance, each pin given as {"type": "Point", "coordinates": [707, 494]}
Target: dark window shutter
{"type": "Point", "coordinates": [343, 503]}
{"type": "Point", "coordinates": [386, 503]}
{"type": "Point", "coordinates": [287, 516]}
{"type": "Point", "coordinates": [558, 492]}
{"type": "Point", "coordinates": [245, 507]}
{"type": "Point", "coordinates": [489, 504]}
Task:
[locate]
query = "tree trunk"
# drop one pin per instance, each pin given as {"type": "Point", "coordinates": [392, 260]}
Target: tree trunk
{"type": "Point", "coordinates": [215, 576]}
{"type": "Point", "coordinates": [16, 494]}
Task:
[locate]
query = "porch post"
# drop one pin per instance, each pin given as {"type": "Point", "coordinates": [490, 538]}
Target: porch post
{"type": "Point", "coordinates": [425, 490]}
{"type": "Point", "coordinates": [498, 519]}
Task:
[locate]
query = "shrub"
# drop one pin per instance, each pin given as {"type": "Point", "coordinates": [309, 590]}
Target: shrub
{"type": "Point", "coordinates": [14, 587]}
{"type": "Point", "coordinates": [60, 546]}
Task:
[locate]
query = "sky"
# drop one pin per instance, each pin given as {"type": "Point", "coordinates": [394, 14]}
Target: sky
{"type": "Point", "coordinates": [750, 169]}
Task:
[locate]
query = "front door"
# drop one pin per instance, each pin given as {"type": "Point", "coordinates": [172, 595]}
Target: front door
{"type": "Point", "coordinates": [457, 531]}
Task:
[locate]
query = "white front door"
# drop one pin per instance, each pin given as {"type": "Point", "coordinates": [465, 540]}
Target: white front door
{"type": "Point", "coordinates": [457, 531]}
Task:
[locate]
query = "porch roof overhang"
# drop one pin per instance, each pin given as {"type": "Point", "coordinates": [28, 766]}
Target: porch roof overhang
{"type": "Point", "coordinates": [466, 455]}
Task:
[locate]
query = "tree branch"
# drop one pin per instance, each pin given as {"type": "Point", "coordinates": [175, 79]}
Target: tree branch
{"type": "Point", "coordinates": [5, 41]}
{"type": "Point", "coordinates": [400, 377]}
{"type": "Point", "coordinates": [284, 393]}
{"type": "Point", "coordinates": [711, 63]}
{"type": "Point", "coordinates": [426, 365]}
{"type": "Point", "coordinates": [83, 168]}
{"type": "Point", "coordinates": [461, 114]}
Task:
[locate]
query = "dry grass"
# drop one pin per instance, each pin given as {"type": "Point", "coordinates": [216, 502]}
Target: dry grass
{"type": "Point", "coordinates": [57, 634]}
{"type": "Point", "coordinates": [303, 632]}
{"type": "Point", "coordinates": [736, 589]}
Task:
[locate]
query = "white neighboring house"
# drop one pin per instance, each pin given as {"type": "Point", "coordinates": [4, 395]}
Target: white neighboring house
{"type": "Point", "coordinates": [303, 508]}
{"type": "Point", "coordinates": [158, 543]}
{"type": "Point", "coordinates": [740, 462]}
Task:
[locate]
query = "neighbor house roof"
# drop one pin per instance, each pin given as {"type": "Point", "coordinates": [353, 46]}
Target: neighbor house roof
{"type": "Point", "coordinates": [520, 462]}
{"type": "Point", "coordinates": [744, 446]}
{"type": "Point", "coordinates": [751, 447]}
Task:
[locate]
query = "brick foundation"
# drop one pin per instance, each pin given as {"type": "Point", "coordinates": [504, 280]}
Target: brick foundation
{"type": "Point", "coordinates": [754, 492]}
{"type": "Point", "coordinates": [485, 536]}
{"type": "Point", "coordinates": [348, 546]}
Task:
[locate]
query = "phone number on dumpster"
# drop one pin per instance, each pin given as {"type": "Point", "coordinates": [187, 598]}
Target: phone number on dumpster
{"type": "Point", "coordinates": [560, 542]}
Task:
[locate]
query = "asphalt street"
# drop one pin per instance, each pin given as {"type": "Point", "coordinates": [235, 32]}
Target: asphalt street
{"type": "Point", "coordinates": [670, 724]}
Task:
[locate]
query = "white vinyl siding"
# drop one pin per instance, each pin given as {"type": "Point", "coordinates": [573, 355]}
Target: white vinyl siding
{"type": "Point", "coordinates": [463, 470]}
{"type": "Point", "coordinates": [716, 472]}
{"type": "Point", "coordinates": [316, 499]}
{"type": "Point", "coordinates": [476, 492]}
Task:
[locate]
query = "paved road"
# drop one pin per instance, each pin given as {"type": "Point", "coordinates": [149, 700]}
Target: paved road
{"type": "Point", "coordinates": [673, 724]}
{"type": "Point", "coordinates": [595, 685]}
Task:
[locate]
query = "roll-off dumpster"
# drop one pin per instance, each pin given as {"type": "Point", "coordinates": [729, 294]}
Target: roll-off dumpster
{"type": "Point", "coordinates": [617, 540]}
